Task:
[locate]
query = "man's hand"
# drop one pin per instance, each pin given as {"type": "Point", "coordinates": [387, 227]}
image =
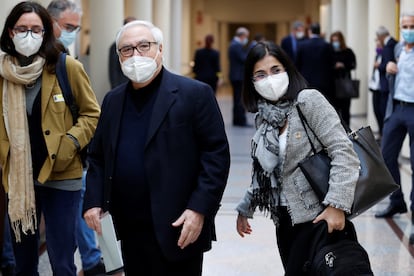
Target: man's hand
{"type": "Point", "coordinates": [192, 223]}
{"type": "Point", "coordinates": [93, 219]}
{"type": "Point", "coordinates": [391, 68]}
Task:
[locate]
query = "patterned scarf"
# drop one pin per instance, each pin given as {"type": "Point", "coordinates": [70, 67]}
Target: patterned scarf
{"type": "Point", "coordinates": [265, 153]}
{"type": "Point", "coordinates": [22, 208]}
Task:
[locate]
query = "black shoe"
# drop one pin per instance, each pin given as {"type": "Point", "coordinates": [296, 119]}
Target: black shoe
{"type": "Point", "coordinates": [411, 240]}
{"type": "Point", "coordinates": [8, 270]}
{"type": "Point", "coordinates": [391, 210]}
{"type": "Point", "coordinates": [97, 270]}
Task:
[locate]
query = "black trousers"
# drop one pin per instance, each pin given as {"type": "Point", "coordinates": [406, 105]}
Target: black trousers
{"type": "Point", "coordinates": [239, 113]}
{"type": "Point", "coordinates": [293, 242]}
{"type": "Point", "coordinates": [142, 255]}
{"type": "Point", "coordinates": [379, 102]}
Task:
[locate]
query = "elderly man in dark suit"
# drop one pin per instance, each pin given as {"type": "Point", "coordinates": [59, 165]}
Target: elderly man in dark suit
{"type": "Point", "coordinates": [159, 161]}
{"type": "Point", "coordinates": [237, 53]}
{"type": "Point", "coordinates": [315, 61]}
{"type": "Point", "coordinates": [290, 42]}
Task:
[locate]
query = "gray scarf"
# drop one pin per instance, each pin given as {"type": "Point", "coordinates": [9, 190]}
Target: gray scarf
{"type": "Point", "coordinates": [265, 152]}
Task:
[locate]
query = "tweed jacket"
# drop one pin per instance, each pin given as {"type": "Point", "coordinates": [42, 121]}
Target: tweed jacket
{"type": "Point", "coordinates": [303, 204]}
{"type": "Point", "coordinates": [63, 162]}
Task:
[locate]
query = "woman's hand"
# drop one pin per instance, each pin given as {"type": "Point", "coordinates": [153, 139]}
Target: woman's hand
{"type": "Point", "coordinates": [243, 226]}
{"type": "Point", "coordinates": [335, 218]}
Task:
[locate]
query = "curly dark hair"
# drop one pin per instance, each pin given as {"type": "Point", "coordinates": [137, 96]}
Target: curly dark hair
{"type": "Point", "coordinates": [49, 49]}
{"type": "Point", "coordinates": [296, 81]}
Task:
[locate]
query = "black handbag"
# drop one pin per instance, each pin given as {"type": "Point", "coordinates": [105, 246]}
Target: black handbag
{"type": "Point", "coordinates": [346, 88]}
{"type": "Point", "coordinates": [375, 181]}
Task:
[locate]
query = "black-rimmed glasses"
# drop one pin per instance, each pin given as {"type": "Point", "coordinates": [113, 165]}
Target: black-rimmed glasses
{"type": "Point", "coordinates": [22, 31]}
{"type": "Point", "coordinates": [142, 47]}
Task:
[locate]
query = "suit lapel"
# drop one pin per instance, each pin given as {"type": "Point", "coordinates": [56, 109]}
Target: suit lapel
{"type": "Point", "coordinates": [165, 98]}
{"type": "Point", "coordinates": [115, 114]}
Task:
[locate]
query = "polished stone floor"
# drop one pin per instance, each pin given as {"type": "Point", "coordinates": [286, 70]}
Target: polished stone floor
{"type": "Point", "coordinates": [386, 240]}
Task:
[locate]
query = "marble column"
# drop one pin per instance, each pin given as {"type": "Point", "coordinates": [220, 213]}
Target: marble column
{"type": "Point", "coordinates": [106, 17]}
{"type": "Point", "coordinates": [141, 9]}
{"type": "Point", "coordinates": [356, 37]}
{"type": "Point", "coordinates": [162, 19]}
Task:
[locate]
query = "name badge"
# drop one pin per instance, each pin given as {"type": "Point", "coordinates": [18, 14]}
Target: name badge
{"type": "Point", "coordinates": [58, 98]}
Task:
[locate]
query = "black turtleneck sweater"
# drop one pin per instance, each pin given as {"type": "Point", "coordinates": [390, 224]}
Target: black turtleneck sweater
{"type": "Point", "coordinates": [131, 198]}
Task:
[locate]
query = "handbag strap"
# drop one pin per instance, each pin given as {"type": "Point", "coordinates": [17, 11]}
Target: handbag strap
{"type": "Point", "coordinates": [305, 123]}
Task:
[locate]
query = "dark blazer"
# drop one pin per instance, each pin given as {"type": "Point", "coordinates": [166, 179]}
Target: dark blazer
{"type": "Point", "coordinates": [206, 64]}
{"type": "Point", "coordinates": [186, 156]}
{"type": "Point", "coordinates": [287, 46]}
{"type": "Point", "coordinates": [237, 56]}
{"type": "Point", "coordinates": [387, 55]}
{"type": "Point", "coordinates": [315, 62]}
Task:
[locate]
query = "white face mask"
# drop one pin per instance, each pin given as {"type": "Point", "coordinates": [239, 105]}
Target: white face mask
{"type": "Point", "coordinates": [273, 87]}
{"type": "Point", "coordinates": [139, 69]}
{"type": "Point", "coordinates": [300, 35]}
{"type": "Point", "coordinates": [28, 45]}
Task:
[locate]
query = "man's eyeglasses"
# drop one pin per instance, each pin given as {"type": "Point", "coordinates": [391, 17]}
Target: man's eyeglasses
{"type": "Point", "coordinates": [22, 31]}
{"type": "Point", "coordinates": [68, 27]}
{"type": "Point", "coordinates": [142, 47]}
{"type": "Point", "coordinates": [262, 74]}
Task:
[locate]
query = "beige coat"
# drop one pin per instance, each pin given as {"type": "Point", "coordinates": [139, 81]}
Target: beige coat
{"type": "Point", "coordinates": [63, 160]}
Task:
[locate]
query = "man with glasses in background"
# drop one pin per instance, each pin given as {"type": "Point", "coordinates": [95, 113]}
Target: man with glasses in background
{"type": "Point", "coordinates": [158, 162]}
{"type": "Point", "coordinates": [66, 16]}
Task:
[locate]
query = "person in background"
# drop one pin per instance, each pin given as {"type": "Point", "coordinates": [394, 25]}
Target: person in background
{"type": "Point", "coordinates": [259, 37]}
{"type": "Point", "coordinates": [158, 162]}
{"type": "Point", "coordinates": [116, 77]}
{"type": "Point", "coordinates": [375, 87]}
{"type": "Point", "coordinates": [207, 63]}
{"type": "Point", "coordinates": [237, 54]}
{"type": "Point", "coordinates": [388, 44]}
{"type": "Point", "coordinates": [67, 20]}
{"type": "Point", "coordinates": [399, 119]}
{"type": "Point", "coordinates": [290, 42]}
{"type": "Point", "coordinates": [315, 61]}
{"type": "Point", "coordinates": [345, 61]}
{"type": "Point", "coordinates": [66, 17]}
{"type": "Point", "coordinates": [274, 90]}
{"type": "Point", "coordinates": [42, 167]}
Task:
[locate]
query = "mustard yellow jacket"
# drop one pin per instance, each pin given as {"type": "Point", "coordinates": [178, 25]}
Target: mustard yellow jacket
{"type": "Point", "coordinates": [63, 161]}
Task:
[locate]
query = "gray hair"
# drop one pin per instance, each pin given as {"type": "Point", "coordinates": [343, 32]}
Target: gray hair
{"type": "Point", "coordinates": [156, 32]}
{"type": "Point", "coordinates": [407, 13]}
{"type": "Point", "coordinates": [242, 31]}
{"type": "Point", "coordinates": [381, 31]}
{"type": "Point", "coordinates": [297, 24]}
{"type": "Point", "coordinates": [56, 7]}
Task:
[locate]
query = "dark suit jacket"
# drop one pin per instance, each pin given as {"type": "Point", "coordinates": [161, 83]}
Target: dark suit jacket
{"type": "Point", "coordinates": [186, 155]}
{"type": "Point", "coordinates": [387, 55]}
{"type": "Point", "coordinates": [237, 56]}
{"type": "Point", "coordinates": [287, 46]}
{"type": "Point", "coordinates": [316, 63]}
{"type": "Point", "coordinates": [206, 64]}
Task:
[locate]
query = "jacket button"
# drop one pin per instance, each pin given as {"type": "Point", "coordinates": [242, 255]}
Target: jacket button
{"type": "Point", "coordinates": [47, 132]}
{"type": "Point", "coordinates": [53, 156]}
